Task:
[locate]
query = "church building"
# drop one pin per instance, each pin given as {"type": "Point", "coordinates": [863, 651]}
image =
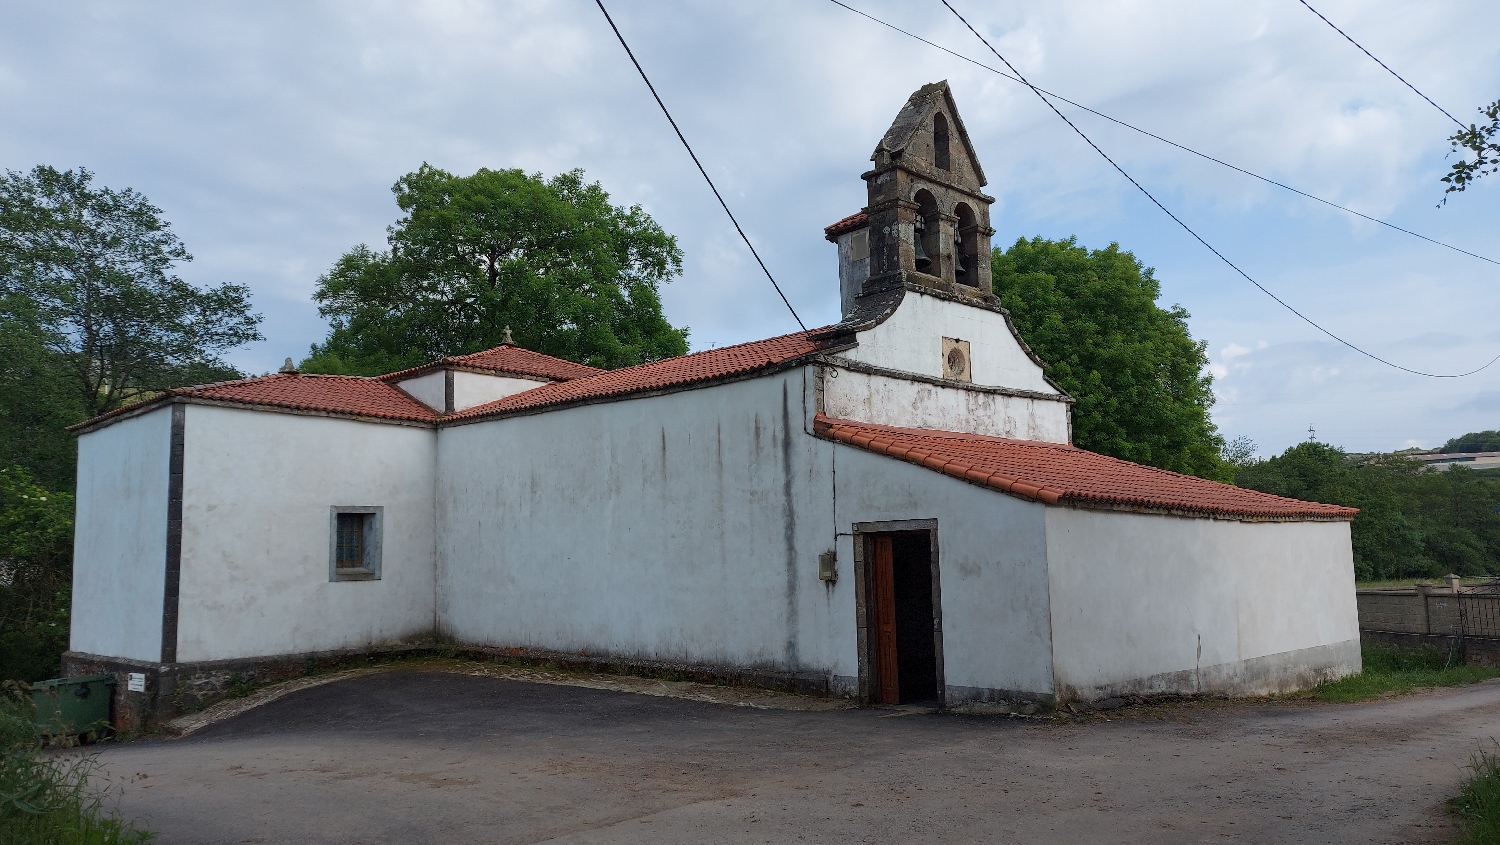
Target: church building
{"type": "Point", "coordinates": [888, 508]}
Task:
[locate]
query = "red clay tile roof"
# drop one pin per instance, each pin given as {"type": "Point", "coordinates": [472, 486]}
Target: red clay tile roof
{"type": "Point", "coordinates": [848, 224]}
{"type": "Point", "coordinates": [504, 359]}
{"type": "Point", "coordinates": [712, 364]}
{"type": "Point", "coordinates": [355, 395]}
{"type": "Point", "coordinates": [1054, 473]}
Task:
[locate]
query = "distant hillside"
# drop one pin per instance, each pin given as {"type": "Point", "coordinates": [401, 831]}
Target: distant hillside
{"type": "Point", "coordinates": [1477, 441]}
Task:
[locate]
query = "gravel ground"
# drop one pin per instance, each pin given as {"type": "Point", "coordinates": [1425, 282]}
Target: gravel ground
{"type": "Point", "coordinates": [428, 756]}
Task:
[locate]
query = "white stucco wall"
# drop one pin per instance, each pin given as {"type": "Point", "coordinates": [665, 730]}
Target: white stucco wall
{"type": "Point", "coordinates": [120, 537]}
{"type": "Point", "coordinates": [914, 404]}
{"type": "Point", "coordinates": [992, 564]}
{"type": "Point", "coordinates": [430, 389]}
{"type": "Point", "coordinates": [472, 389]}
{"type": "Point", "coordinates": [911, 340]}
{"type": "Point", "coordinates": [257, 492]}
{"type": "Point", "coordinates": [1148, 603]}
{"type": "Point", "coordinates": [683, 527]}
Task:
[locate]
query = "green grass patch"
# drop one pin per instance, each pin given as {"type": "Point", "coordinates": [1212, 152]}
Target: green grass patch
{"type": "Point", "coordinates": [46, 799]}
{"type": "Point", "coordinates": [1478, 804]}
{"type": "Point", "coordinates": [1390, 670]}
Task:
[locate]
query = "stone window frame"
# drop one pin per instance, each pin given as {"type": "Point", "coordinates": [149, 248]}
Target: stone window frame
{"type": "Point", "coordinates": [374, 532]}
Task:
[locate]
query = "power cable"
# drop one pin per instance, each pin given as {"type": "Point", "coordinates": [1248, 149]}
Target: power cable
{"type": "Point", "coordinates": [1383, 64]}
{"type": "Point", "coordinates": [694, 156]}
{"type": "Point", "coordinates": [1168, 141]}
{"type": "Point", "coordinates": [1188, 228]}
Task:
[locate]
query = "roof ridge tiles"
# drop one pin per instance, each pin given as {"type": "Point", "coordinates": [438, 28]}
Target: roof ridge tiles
{"type": "Point", "coordinates": [667, 373]}
{"type": "Point", "coordinates": [1069, 475]}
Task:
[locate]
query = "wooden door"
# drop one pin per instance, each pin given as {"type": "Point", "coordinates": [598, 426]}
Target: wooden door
{"type": "Point", "coordinates": [883, 575]}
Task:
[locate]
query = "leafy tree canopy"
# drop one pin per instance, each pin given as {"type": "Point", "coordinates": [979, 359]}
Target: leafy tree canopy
{"type": "Point", "coordinates": [573, 275]}
{"type": "Point", "coordinates": [86, 272]}
{"type": "Point", "coordinates": [1135, 371]}
{"type": "Point", "coordinates": [1475, 441]}
{"type": "Point", "coordinates": [1480, 141]}
{"type": "Point", "coordinates": [36, 552]}
{"type": "Point", "coordinates": [1412, 522]}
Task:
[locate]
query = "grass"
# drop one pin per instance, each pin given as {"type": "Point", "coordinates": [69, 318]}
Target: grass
{"type": "Point", "coordinates": [47, 799]}
{"type": "Point", "coordinates": [1389, 670]}
{"type": "Point", "coordinates": [1478, 804]}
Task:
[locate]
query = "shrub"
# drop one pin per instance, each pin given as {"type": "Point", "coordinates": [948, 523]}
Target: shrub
{"type": "Point", "coordinates": [48, 799]}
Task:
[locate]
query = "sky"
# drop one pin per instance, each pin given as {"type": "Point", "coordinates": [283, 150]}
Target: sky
{"type": "Point", "coordinates": [270, 135]}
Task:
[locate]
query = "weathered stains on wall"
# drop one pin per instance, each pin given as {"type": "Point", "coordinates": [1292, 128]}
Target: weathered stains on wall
{"type": "Point", "coordinates": [683, 527]}
{"type": "Point", "coordinates": [1148, 603]}
{"type": "Point", "coordinates": [854, 266]}
{"type": "Point", "coordinates": [120, 538]}
{"type": "Point", "coordinates": [911, 340]}
{"type": "Point", "coordinates": [789, 430]}
{"type": "Point", "coordinates": [891, 400]}
{"type": "Point", "coordinates": [256, 525]}
{"type": "Point", "coordinates": [992, 563]}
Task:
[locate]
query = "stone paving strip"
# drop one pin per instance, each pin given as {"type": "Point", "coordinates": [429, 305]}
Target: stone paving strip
{"type": "Point", "coordinates": [760, 699]}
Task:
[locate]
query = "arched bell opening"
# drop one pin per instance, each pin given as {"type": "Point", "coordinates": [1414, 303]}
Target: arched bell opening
{"type": "Point", "coordinates": [925, 235]}
{"type": "Point", "coordinates": [966, 246]}
{"type": "Point", "coordinates": [940, 141]}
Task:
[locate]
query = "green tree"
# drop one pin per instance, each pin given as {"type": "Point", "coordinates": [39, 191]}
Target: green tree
{"type": "Point", "coordinates": [1412, 522]}
{"type": "Point", "coordinates": [1474, 441]}
{"type": "Point", "coordinates": [87, 273]}
{"type": "Point", "coordinates": [1480, 141]}
{"type": "Point", "coordinates": [36, 551]}
{"type": "Point", "coordinates": [38, 401]}
{"type": "Point", "coordinates": [573, 275]}
{"type": "Point", "coordinates": [1135, 371]}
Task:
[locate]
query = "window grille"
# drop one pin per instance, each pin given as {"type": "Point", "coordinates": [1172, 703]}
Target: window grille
{"type": "Point", "coordinates": [354, 543]}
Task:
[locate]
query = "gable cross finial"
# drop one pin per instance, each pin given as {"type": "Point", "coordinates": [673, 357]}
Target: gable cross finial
{"type": "Point", "coordinates": [507, 341]}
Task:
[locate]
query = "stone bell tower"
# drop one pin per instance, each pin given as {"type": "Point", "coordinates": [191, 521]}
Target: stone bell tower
{"type": "Point", "coordinates": [928, 222]}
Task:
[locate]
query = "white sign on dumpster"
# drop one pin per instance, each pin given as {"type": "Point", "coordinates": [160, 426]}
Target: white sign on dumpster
{"type": "Point", "coordinates": [135, 682]}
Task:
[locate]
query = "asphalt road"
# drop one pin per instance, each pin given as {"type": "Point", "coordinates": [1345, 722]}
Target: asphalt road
{"type": "Point", "coordinates": [429, 757]}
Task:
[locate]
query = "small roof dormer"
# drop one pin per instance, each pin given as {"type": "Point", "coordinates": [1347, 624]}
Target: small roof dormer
{"type": "Point", "coordinates": [460, 382]}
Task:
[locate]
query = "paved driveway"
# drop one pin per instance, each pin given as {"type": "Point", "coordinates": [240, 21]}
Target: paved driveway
{"type": "Point", "coordinates": [419, 757]}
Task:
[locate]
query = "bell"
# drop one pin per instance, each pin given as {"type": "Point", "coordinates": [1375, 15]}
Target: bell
{"type": "Point", "coordinates": [960, 271]}
{"type": "Point", "coordinates": [923, 262]}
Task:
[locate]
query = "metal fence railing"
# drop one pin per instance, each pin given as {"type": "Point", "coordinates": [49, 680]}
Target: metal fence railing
{"type": "Point", "coordinates": [1479, 610]}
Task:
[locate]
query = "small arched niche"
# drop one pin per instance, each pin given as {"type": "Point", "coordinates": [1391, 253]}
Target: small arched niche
{"type": "Point", "coordinates": [966, 246]}
{"type": "Point", "coordinates": [940, 142]}
{"type": "Point", "coordinates": [925, 236]}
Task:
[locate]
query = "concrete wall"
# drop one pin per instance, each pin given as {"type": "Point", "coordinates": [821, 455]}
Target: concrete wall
{"type": "Point", "coordinates": [120, 537]}
{"type": "Point", "coordinates": [680, 528]}
{"type": "Point", "coordinates": [430, 389]}
{"type": "Point", "coordinates": [473, 389]}
{"type": "Point", "coordinates": [1156, 604]}
{"type": "Point", "coordinates": [257, 492]}
{"type": "Point", "coordinates": [854, 266]}
{"type": "Point", "coordinates": [911, 340]}
{"type": "Point", "coordinates": [897, 401]}
{"type": "Point", "coordinates": [1411, 612]}
{"type": "Point", "coordinates": [992, 564]}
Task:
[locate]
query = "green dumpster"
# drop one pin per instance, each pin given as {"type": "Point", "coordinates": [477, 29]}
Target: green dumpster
{"type": "Point", "coordinates": [72, 706]}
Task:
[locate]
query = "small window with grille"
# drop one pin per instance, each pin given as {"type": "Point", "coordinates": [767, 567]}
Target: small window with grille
{"type": "Point", "coordinates": [354, 543]}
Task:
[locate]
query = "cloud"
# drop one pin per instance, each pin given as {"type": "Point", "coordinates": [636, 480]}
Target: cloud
{"type": "Point", "coordinates": [271, 136]}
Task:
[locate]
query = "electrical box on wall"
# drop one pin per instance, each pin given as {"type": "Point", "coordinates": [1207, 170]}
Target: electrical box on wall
{"type": "Point", "coordinates": [827, 568]}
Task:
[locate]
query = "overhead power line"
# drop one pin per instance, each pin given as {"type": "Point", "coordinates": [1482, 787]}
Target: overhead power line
{"type": "Point", "coordinates": [1168, 141]}
{"type": "Point", "coordinates": [1189, 229]}
{"type": "Point", "coordinates": [1383, 64]}
{"type": "Point", "coordinates": [694, 156]}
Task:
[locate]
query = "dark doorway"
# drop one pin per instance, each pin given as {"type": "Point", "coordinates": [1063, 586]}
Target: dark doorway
{"type": "Point", "coordinates": [906, 666]}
